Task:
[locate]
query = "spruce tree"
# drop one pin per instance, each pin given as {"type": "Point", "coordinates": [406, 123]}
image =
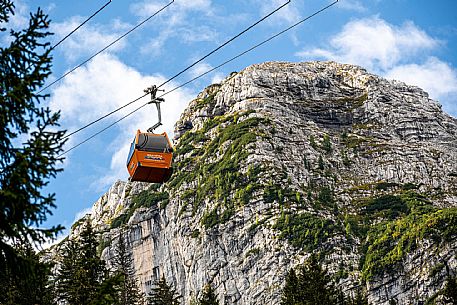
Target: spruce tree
{"type": "Point", "coordinates": [123, 264]}
{"type": "Point", "coordinates": [27, 167]}
{"type": "Point", "coordinates": [315, 284]}
{"type": "Point", "coordinates": [35, 289]}
{"type": "Point", "coordinates": [290, 293]}
{"type": "Point", "coordinates": [163, 294]}
{"type": "Point", "coordinates": [29, 149]}
{"type": "Point", "coordinates": [311, 284]}
{"type": "Point", "coordinates": [92, 268]}
{"type": "Point", "coordinates": [208, 297]}
{"type": "Point", "coordinates": [67, 287]}
{"type": "Point", "coordinates": [82, 278]}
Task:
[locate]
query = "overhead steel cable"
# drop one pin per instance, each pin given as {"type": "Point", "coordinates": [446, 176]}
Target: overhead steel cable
{"type": "Point", "coordinates": [223, 45]}
{"type": "Point", "coordinates": [186, 69]}
{"type": "Point", "coordinates": [105, 116]}
{"type": "Point", "coordinates": [108, 46]}
{"type": "Point", "coordinates": [101, 131]}
{"type": "Point", "coordinates": [251, 49]}
{"type": "Point", "coordinates": [77, 28]}
{"type": "Point", "coordinates": [205, 73]}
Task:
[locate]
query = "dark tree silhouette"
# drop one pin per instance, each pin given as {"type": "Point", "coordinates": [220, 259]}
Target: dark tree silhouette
{"type": "Point", "coordinates": [163, 294]}
{"type": "Point", "coordinates": [37, 288]}
{"type": "Point", "coordinates": [82, 277]}
{"type": "Point", "coordinates": [290, 292]}
{"type": "Point", "coordinates": [310, 284]}
{"type": "Point", "coordinates": [29, 149]}
{"type": "Point", "coordinates": [123, 264]}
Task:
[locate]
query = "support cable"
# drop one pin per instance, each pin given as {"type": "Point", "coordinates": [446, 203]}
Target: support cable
{"type": "Point", "coordinates": [205, 73]}
{"type": "Point", "coordinates": [85, 21]}
{"type": "Point", "coordinates": [170, 79]}
{"type": "Point", "coordinates": [105, 48]}
{"type": "Point", "coordinates": [103, 117]}
{"type": "Point", "coordinates": [251, 49]}
{"type": "Point", "coordinates": [101, 131]}
{"type": "Point", "coordinates": [224, 44]}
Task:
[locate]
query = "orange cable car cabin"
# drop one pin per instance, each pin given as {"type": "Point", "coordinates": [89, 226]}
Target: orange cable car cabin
{"type": "Point", "coordinates": [150, 157]}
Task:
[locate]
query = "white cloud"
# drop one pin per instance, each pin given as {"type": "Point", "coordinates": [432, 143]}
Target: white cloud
{"type": "Point", "coordinates": [89, 38]}
{"type": "Point", "coordinates": [199, 69]}
{"type": "Point", "coordinates": [174, 22]}
{"type": "Point", "coordinates": [288, 14]}
{"type": "Point", "coordinates": [95, 89]}
{"type": "Point", "coordinates": [217, 78]}
{"type": "Point", "coordinates": [17, 22]}
{"type": "Point", "coordinates": [397, 52]}
{"type": "Point", "coordinates": [155, 46]}
{"type": "Point", "coordinates": [375, 44]}
{"type": "Point", "coordinates": [117, 166]}
{"type": "Point", "coordinates": [82, 213]}
{"type": "Point", "coordinates": [178, 8]}
{"type": "Point", "coordinates": [196, 5]}
{"type": "Point", "coordinates": [199, 34]}
{"type": "Point", "coordinates": [352, 5]}
{"type": "Point", "coordinates": [438, 78]}
{"type": "Point", "coordinates": [20, 19]}
{"type": "Point", "coordinates": [189, 35]}
{"type": "Point", "coordinates": [106, 84]}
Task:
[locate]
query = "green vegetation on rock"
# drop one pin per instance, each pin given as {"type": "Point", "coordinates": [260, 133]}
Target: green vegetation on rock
{"type": "Point", "coordinates": [216, 166]}
{"type": "Point", "coordinates": [305, 231]}
{"type": "Point", "coordinates": [311, 284]}
{"type": "Point", "coordinates": [282, 195]}
{"type": "Point", "coordinates": [327, 144]}
{"type": "Point", "coordinates": [201, 103]}
{"type": "Point", "coordinates": [408, 219]}
{"type": "Point", "coordinates": [148, 198]}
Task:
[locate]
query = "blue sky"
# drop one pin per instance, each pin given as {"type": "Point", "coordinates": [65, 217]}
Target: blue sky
{"type": "Point", "coordinates": [412, 41]}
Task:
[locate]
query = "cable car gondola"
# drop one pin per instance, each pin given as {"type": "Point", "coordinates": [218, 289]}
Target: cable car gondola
{"type": "Point", "coordinates": [150, 156]}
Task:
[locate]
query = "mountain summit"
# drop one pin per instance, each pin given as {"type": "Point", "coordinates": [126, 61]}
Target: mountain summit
{"type": "Point", "coordinates": [282, 160]}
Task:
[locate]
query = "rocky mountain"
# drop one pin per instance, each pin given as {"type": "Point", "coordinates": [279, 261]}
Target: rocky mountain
{"type": "Point", "coordinates": [282, 160]}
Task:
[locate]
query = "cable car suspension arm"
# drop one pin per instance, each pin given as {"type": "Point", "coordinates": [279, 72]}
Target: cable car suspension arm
{"type": "Point", "coordinates": [155, 100]}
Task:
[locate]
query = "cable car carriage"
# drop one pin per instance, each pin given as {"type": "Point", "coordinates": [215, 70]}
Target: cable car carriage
{"type": "Point", "coordinates": [150, 156]}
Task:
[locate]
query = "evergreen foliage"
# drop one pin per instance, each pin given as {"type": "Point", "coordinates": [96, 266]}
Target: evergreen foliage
{"type": "Point", "coordinates": [208, 297]}
{"type": "Point", "coordinates": [28, 157]}
{"type": "Point", "coordinates": [163, 294]}
{"type": "Point", "coordinates": [327, 144]}
{"type": "Point", "coordinates": [82, 277]}
{"type": "Point", "coordinates": [388, 242]}
{"type": "Point", "coordinates": [312, 142]}
{"type": "Point", "coordinates": [305, 230]}
{"type": "Point", "coordinates": [25, 169]}
{"type": "Point", "coordinates": [218, 179]}
{"type": "Point", "coordinates": [325, 196]}
{"type": "Point", "coordinates": [34, 289]}
{"type": "Point", "coordinates": [129, 292]}
{"type": "Point", "coordinates": [290, 295]}
{"type": "Point", "coordinates": [320, 163]}
{"type": "Point", "coordinates": [310, 284]}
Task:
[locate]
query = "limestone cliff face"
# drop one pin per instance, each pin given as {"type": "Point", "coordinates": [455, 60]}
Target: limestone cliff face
{"type": "Point", "coordinates": [282, 160]}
